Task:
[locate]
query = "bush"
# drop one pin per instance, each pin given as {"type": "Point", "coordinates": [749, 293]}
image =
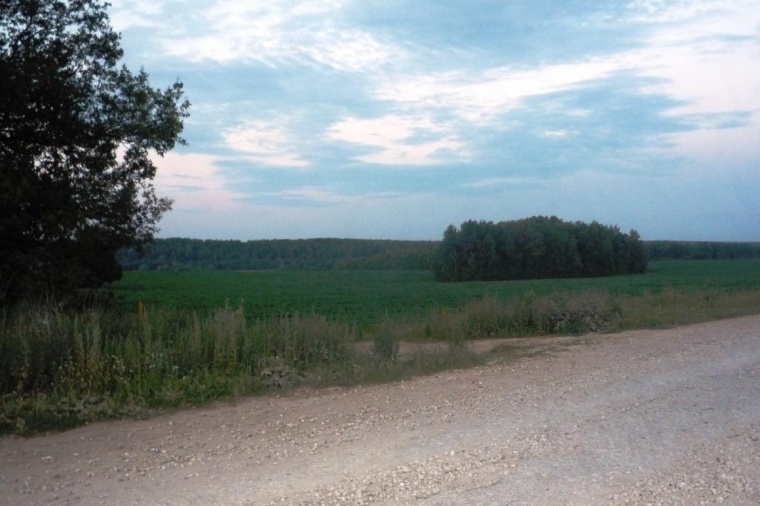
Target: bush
{"type": "Point", "coordinates": [487, 317]}
{"type": "Point", "coordinates": [563, 314]}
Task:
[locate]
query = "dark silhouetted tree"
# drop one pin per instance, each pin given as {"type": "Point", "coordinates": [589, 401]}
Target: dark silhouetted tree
{"type": "Point", "coordinates": [76, 134]}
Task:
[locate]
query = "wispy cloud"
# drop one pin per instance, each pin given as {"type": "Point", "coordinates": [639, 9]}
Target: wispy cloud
{"type": "Point", "coordinates": [399, 140]}
{"type": "Point", "coordinates": [702, 53]}
{"type": "Point", "coordinates": [558, 134]}
{"type": "Point", "coordinates": [136, 13]}
{"type": "Point", "coordinates": [505, 182]}
{"type": "Point", "coordinates": [264, 143]}
{"type": "Point", "coordinates": [280, 32]}
{"type": "Point", "coordinates": [194, 182]}
{"type": "Point", "coordinates": [313, 194]}
{"type": "Point", "coordinates": [480, 97]}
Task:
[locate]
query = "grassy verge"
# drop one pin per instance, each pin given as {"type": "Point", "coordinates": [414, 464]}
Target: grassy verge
{"type": "Point", "coordinates": [59, 370]}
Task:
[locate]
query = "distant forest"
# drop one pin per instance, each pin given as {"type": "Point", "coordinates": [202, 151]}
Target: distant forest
{"type": "Point", "coordinates": [327, 254]}
{"type": "Point", "coordinates": [295, 254]}
{"type": "Point", "coordinates": [692, 250]}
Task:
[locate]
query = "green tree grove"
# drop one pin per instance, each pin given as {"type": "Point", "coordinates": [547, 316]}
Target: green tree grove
{"type": "Point", "coordinates": [537, 247]}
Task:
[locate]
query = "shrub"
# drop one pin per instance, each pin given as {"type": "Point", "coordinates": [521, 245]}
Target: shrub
{"type": "Point", "coordinates": [563, 313]}
{"type": "Point", "coordinates": [487, 317]}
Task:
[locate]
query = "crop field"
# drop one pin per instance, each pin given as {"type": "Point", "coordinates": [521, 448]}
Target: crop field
{"type": "Point", "coordinates": [367, 297]}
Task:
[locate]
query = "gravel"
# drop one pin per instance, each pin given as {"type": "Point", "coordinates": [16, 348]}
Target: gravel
{"type": "Point", "coordinates": [640, 418]}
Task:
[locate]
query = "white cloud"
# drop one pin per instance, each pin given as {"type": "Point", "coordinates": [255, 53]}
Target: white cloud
{"type": "Point", "coordinates": [480, 97]}
{"type": "Point", "coordinates": [347, 49]}
{"type": "Point", "coordinates": [702, 54]}
{"type": "Point", "coordinates": [499, 182]}
{"type": "Point", "coordinates": [706, 80]}
{"type": "Point", "coordinates": [689, 43]}
{"type": "Point", "coordinates": [698, 14]}
{"type": "Point", "coordinates": [706, 54]}
{"type": "Point", "coordinates": [280, 31]}
{"type": "Point", "coordinates": [132, 13]}
{"type": "Point", "coordinates": [194, 182]}
{"type": "Point", "coordinates": [264, 143]}
{"type": "Point", "coordinates": [558, 134]}
{"type": "Point", "coordinates": [729, 151]}
{"type": "Point", "coordinates": [327, 195]}
{"type": "Point", "coordinates": [313, 194]}
{"type": "Point", "coordinates": [399, 140]}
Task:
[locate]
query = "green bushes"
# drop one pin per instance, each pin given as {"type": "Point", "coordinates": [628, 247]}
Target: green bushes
{"type": "Point", "coordinates": [559, 313]}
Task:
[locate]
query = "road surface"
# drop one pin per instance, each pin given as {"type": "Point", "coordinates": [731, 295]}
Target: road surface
{"type": "Point", "coordinates": [644, 417]}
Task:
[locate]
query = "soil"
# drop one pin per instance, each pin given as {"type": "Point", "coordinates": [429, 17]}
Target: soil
{"type": "Point", "coordinates": [644, 417]}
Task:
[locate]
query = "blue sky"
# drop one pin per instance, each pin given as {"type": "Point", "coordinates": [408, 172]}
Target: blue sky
{"type": "Point", "coordinates": [391, 119]}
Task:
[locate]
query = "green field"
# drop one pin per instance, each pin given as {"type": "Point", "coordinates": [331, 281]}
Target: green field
{"type": "Point", "coordinates": [367, 297]}
{"type": "Point", "coordinates": [209, 335]}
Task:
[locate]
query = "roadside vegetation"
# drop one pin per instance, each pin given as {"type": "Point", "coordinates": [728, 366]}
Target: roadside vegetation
{"type": "Point", "coordinates": [149, 348]}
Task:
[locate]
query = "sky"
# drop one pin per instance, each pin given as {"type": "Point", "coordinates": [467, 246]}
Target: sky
{"type": "Point", "coordinates": [391, 119]}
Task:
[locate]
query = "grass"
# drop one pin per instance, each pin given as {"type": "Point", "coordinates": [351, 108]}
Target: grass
{"type": "Point", "coordinates": [61, 370]}
{"type": "Point", "coordinates": [175, 339]}
{"type": "Point", "coordinates": [369, 297]}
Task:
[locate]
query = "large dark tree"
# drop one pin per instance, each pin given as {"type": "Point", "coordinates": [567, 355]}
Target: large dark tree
{"type": "Point", "coordinates": [77, 130]}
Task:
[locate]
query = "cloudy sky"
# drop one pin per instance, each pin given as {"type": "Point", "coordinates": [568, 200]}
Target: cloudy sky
{"type": "Point", "coordinates": [392, 119]}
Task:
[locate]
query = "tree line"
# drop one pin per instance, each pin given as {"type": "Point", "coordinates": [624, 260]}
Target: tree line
{"type": "Point", "coordinates": [701, 250]}
{"type": "Point", "coordinates": [179, 254]}
{"type": "Point", "coordinates": [537, 247]}
{"type": "Point", "coordinates": [308, 254]}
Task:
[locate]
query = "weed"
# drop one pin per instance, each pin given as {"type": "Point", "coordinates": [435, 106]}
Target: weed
{"type": "Point", "coordinates": [385, 344]}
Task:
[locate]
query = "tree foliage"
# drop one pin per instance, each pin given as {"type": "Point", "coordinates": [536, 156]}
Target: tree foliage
{"type": "Point", "coordinates": [301, 254]}
{"type": "Point", "coordinates": [537, 247]}
{"type": "Point", "coordinates": [701, 250]}
{"type": "Point", "coordinates": [76, 134]}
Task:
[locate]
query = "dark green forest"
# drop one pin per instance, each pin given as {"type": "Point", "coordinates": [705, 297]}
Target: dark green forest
{"type": "Point", "coordinates": [701, 250]}
{"type": "Point", "coordinates": [327, 254]}
{"type": "Point", "coordinates": [296, 254]}
{"type": "Point", "coordinates": [536, 248]}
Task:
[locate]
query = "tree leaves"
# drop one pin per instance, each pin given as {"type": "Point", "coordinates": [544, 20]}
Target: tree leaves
{"type": "Point", "coordinates": [537, 247]}
{"type": "Point", "coordinates": [76, 137]}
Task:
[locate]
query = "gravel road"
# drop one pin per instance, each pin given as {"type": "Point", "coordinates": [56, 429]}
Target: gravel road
{"type": "Point", "coordinates": [644, 417]}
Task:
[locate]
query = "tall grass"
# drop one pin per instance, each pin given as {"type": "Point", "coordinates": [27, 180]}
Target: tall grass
{"type": "Point", "coordinates": [134, 361]}
{"type": "Point", "coordinates": [560, 312]}
{"type": "Point", "coordinates": [60, 369]}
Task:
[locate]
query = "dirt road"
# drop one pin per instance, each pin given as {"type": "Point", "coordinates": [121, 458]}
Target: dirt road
{"type": "Point", "coordinates": [646, 417]}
